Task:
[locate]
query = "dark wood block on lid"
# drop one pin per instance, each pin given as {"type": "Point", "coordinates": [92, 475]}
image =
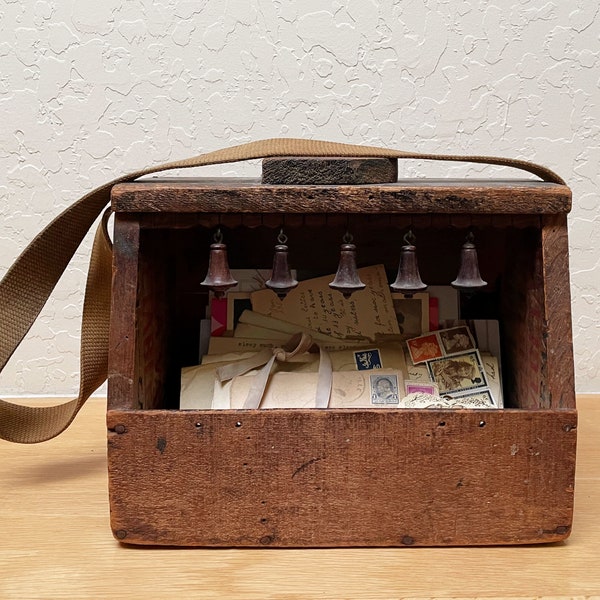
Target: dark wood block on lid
{"type": "Point", "coordinates": [300, 170]}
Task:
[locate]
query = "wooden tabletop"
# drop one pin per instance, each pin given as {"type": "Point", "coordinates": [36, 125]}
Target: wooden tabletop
{"type": "Point", "coordinates": [56, 542]}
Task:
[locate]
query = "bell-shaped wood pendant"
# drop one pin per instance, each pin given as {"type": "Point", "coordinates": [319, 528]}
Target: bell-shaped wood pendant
{"type": "Point", "coordinates": [218, 278]}
{"type": "Point", "coordinates": [408, 281]}
{"type": "Point", "coordinates": [469, 278]}
{"type": "Point", "coordinates": [347, 279]}
{"type": "Point", "coordinates": [281, 281]}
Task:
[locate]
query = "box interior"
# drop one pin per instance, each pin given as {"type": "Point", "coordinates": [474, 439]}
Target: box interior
{"type": "Point", "coordinates": [173, 260]}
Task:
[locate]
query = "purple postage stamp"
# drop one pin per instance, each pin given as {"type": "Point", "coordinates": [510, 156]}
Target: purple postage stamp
{"type": "Point", "coordinates": [412, 387]}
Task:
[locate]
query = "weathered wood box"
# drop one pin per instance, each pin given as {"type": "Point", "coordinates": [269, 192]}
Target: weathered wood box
{"type": "Point", "coordinates": [309, 478]}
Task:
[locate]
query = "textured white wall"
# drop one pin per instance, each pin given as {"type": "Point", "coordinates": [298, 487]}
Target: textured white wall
{"type": "Point", "coordinates": [92, 89]}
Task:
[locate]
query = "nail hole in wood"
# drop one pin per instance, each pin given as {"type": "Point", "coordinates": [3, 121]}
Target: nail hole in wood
{"type": "Point", "coordinates": [442, 424]}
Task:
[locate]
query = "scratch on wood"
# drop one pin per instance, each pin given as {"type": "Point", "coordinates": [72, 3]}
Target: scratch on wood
{"type": "Point", "coordinates": [306, 465]}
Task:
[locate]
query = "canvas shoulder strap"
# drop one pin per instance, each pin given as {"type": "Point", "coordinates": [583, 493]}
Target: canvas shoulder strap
{"type": "Point", "coordinates": [31, 279]}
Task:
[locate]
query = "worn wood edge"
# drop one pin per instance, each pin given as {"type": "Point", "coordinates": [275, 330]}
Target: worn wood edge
{"type": "Point", "coordinates": [118, 412]}
{"type": "Point", "coordinates": [418, 196]}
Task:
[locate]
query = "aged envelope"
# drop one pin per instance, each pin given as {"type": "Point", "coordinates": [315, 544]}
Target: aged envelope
{"type": "Point", "coordinates": [349, 390]}
{"type": "Point", "coordinates": [200, 388]}
{"type": "Point", "coordinates": [492, 370]}
{"type": "Point", "coordinates": [244, 330]}
{"type": "Point", "coordinates": [365, 358]}
{"type": "Point", "coordinates": [315, 305]}
{"type": "Point", "coordinates": [223, 345]}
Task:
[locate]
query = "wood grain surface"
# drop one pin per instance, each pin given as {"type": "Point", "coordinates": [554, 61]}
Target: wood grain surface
{"type": "Point", "coordinates": [328, 171]}
{"type": "Point", "coordinates": [56, 542]}
{"type": "Point", "coordinates": [306, 478]}
{"type": "Point", "coordinates": [405, 196]}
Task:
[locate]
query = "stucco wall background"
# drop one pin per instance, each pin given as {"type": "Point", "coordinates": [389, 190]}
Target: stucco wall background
{"type": "Point", "coordinates": [90, 90]}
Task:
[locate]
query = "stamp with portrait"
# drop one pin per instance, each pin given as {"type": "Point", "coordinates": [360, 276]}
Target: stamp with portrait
{"type": "Point", "coordinates": [458, 373]}
{"type": "Point", "coordinates": [456, 340]}
{"type": "Point", "coordinates": [384, 389]}
{"type": "Point", "coordinates": [424, 348]}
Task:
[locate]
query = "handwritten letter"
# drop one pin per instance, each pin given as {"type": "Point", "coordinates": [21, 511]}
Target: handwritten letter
{"type": "Point", "coordinates": [315, 305]}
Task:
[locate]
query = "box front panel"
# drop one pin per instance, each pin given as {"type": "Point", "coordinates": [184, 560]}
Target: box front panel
{"type": "Point", "coordinates": [341, 478]}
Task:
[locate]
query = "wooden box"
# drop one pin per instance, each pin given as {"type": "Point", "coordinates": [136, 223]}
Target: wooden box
{"type": "Point", "coordinates": [310, 478]}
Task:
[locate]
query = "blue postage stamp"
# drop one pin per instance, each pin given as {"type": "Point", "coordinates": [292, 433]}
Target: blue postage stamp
{"type": "Point", "coordinates": [366, 360]}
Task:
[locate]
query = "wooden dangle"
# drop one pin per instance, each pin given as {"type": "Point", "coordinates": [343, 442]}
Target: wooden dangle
{"type": "Point", "coordinates": [469, 278]}
{"type": "Point", "coordinates": [408, 281]}
{"type": "Point", "coordinates": [347, 279]}
{"type": "Point", "coordinates": [218, 278]}
{"type": "Point", "coordinates": [281, 281]}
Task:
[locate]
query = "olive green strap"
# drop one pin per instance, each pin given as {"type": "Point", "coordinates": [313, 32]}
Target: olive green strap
{"type": "Point", "coordinates": [31, 279]}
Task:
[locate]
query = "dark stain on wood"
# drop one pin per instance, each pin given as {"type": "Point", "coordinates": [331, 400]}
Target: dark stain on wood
{"type": "Point", "coordinates": [307, 464]}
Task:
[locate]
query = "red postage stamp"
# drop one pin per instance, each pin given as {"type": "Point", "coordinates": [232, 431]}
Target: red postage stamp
{"type": "Point", "coordinates": [426, 347]}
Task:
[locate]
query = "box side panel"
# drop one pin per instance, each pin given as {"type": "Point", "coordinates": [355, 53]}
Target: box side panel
{"type": "Point", "coordinates": [341, 478]}
{"type": "Point", "coordinates": [154, 321]}
{"type": "Point", "coordinates": [559, 378]}
{"type": "Point", "coordinates": [523, 323]}
{"type": "Point", "coordinates": [122, 372]}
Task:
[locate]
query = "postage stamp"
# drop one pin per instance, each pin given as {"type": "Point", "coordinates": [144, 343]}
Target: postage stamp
{"type": "Point", "coordinates": [412, 387]}
{"type": "Point", "coordinates": [458, 373]}
{"type": "Point", "coordinates": [384, 389]}
{"type": "Point", "coordinates": [456, 340]}
{"type": "Point", "coordinates": [446, 342]}
{"type": "Point", "coordinates": [367, 359]}
{"type": "Point", "coordinates": [426, 347]}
